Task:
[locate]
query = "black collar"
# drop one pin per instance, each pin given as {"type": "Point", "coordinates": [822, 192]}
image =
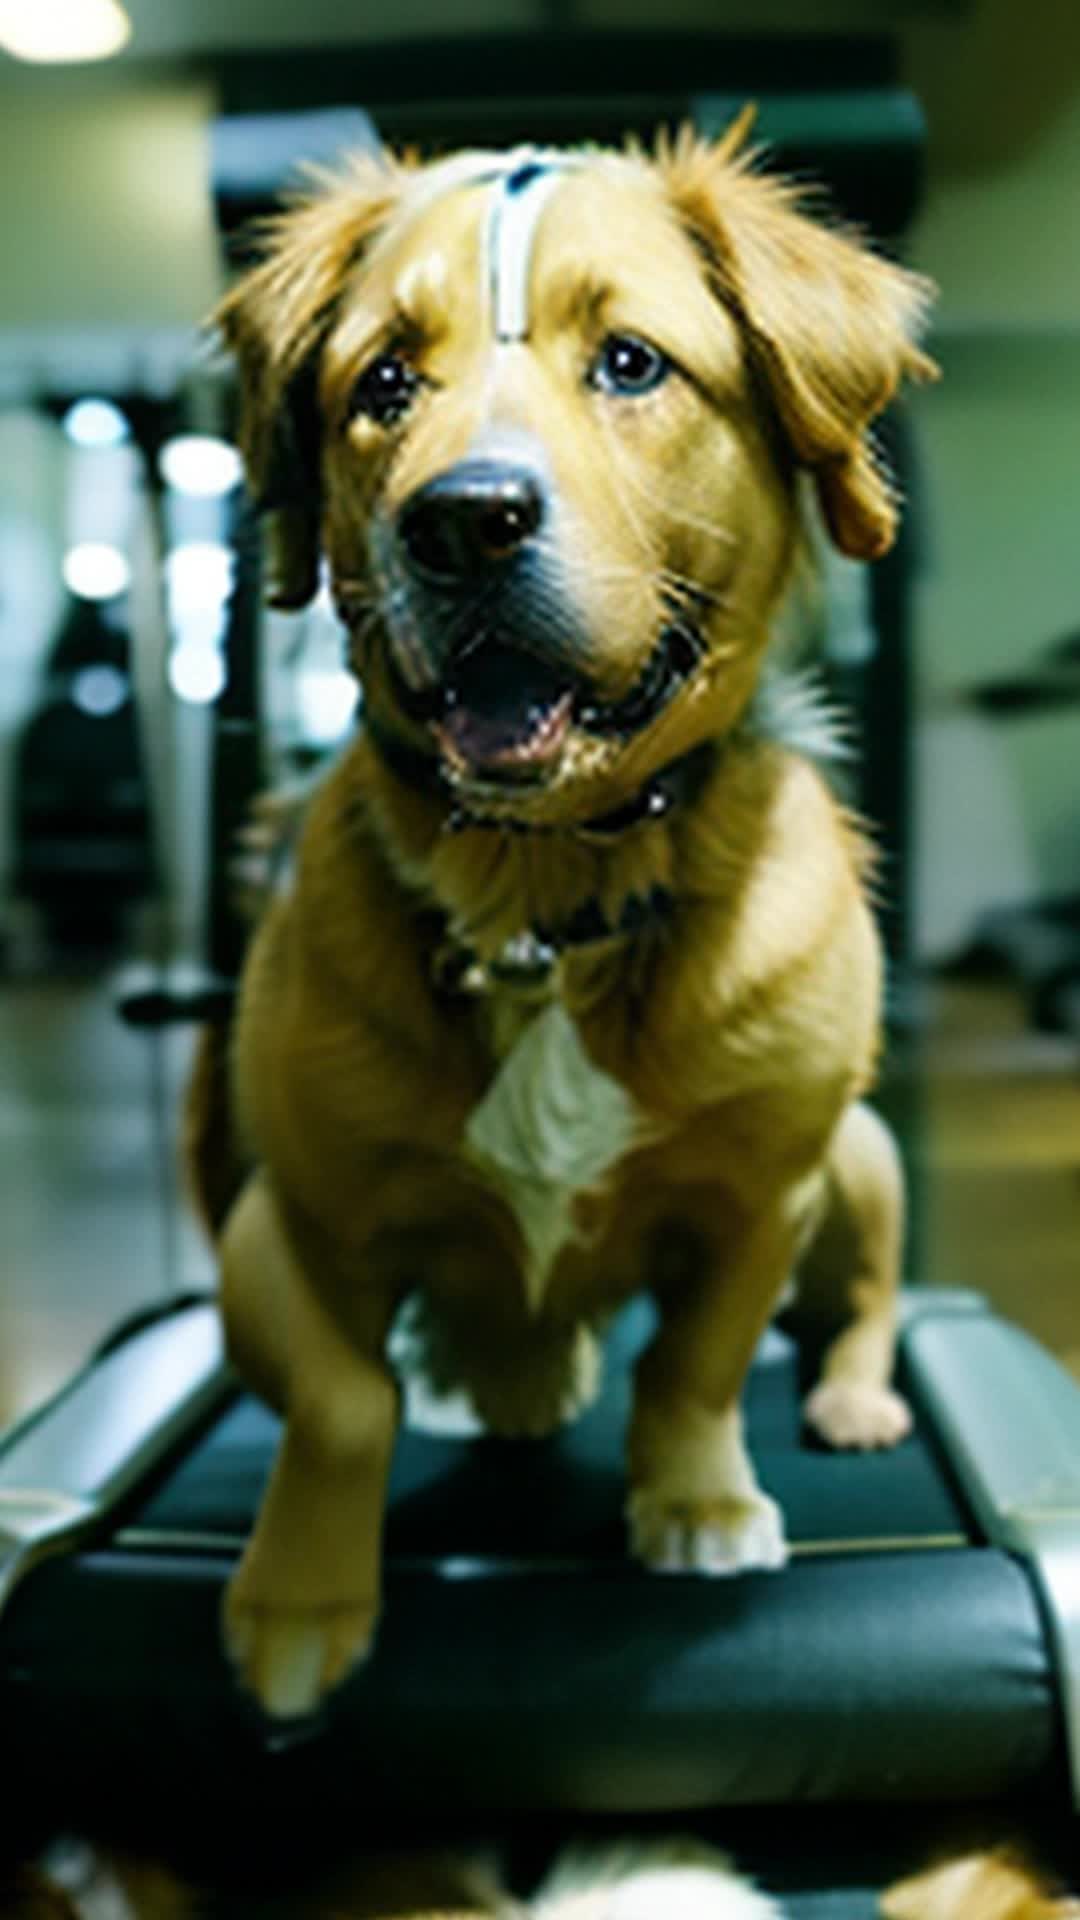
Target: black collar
{"type": "Point", "coordinates": [526, 963]}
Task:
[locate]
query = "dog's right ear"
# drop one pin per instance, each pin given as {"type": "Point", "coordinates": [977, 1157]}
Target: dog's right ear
{"type": "Point", "coordinates": [275, 320]}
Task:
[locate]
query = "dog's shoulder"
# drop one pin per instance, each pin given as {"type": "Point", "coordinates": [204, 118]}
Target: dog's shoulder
{"type": "Point", "coordinates": [777, 862]}
{"type": "Point", "coordinates": [768, 975]}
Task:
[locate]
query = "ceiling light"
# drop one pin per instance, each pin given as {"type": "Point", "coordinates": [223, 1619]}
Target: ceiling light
{"type": "Point", "coordinates": [60, 30]}
{"type": "Point", "coordinates": [199, 576]}
{"type": "Point", "coordinates": [196, 673]}
{"type": "Point", "coordinates": [99, 690]}
{"type": "Point", "coordinates": [93, 570]}
{"type": "Point", "coordinates": [95, 423]}
{"type": "Point", "coordinates": [200, 464]}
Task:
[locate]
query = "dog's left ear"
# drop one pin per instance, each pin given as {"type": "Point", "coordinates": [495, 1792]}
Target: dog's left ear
{"type": "Point", "coordinates": [829, 324]}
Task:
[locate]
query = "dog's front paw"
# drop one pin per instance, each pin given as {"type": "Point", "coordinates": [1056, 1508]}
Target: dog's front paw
{"type": "Point", "coordinates": [291, 1658]}
{"type": "Point", "coordinates": [733, 1535]}
{"type": "Point", "coordinates": [846, 1413]}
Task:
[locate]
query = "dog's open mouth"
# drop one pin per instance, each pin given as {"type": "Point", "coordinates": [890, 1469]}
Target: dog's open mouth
{"type": "Point", "coordinates": [502, 713]}
{"type": "Point", "coordinates": [505, 713]}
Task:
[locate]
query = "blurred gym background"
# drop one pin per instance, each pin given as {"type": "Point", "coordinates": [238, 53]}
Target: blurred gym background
{"type": "Point", "coordinates": [144, 695]}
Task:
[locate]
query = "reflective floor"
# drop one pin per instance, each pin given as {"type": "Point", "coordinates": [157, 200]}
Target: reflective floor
{"type": "Point", "coordinates": [89, 1222]}
{"type": "Point", "coordinates": [1001, 1140]}
{"type": "Point", "coordinates": [93, 1224]}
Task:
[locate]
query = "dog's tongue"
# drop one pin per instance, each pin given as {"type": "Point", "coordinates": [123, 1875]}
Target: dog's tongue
{"type": "Point", "coordinates": [504, 710]}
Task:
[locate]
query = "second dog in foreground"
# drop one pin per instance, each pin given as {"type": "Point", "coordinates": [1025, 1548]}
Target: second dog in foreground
{"type": "Point", "coordinates": [576, 990]}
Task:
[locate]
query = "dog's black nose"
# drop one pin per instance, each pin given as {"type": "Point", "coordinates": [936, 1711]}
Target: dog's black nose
{"type": "Point", "coordinates": [466, 521]}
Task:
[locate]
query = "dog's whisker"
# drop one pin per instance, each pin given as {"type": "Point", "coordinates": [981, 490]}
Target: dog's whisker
{"type": "Point", "coordinates": [578, 568]}
{"type": "Point", "coordinates": [683, 599]}
{"type": "Point", "coordinates": [620, 477]}
{"type": "Point", "coordinates": [627, 478]}
{"type": "Point", "coordinates": [655, 502]}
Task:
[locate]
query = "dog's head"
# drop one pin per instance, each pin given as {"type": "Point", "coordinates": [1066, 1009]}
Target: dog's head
{"type": "Point", "coordinates": [544, 415]}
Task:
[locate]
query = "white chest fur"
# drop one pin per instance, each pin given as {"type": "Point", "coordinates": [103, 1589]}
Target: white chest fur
{"type": "Point", "coordinates": [550, 1126]}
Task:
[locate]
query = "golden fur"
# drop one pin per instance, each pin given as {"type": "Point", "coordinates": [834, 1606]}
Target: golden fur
{"type": "Point", "coordinates": [977, 1886]}
{"type": "Point", "coordinates": [673, 1106]}
{"type": "Point", "coordinates": [649, 1880]}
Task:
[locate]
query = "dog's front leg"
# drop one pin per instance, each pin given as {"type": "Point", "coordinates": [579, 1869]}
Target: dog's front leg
{"type": "Point", "coordinates": [848, 1283]}
{"type": "Point", "coordinates": [695, 1503]}
{"type": "Point", "coordinates": [302, 1606]}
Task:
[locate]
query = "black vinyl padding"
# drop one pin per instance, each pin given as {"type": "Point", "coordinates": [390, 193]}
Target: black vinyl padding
{"type": "Point", "coordinates": [907, 1677]}
{"type": "Point", "coordinates": [524, 1664]}
{"type": "Point", "coordinates": [560, 1498]}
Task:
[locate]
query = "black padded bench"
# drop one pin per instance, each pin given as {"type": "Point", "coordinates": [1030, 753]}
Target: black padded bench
{"type": "Point", "coordinates": [920, 1653]}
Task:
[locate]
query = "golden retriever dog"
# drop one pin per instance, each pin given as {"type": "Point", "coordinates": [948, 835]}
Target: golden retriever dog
{"type": "Point", "coordinates": [575, 990]}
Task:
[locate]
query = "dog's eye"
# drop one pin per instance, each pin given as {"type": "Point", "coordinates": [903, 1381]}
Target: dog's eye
{"type": "Point", "coordinates": [385, 389]}
{"type": "Point", "coordinates": [626, 364]}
